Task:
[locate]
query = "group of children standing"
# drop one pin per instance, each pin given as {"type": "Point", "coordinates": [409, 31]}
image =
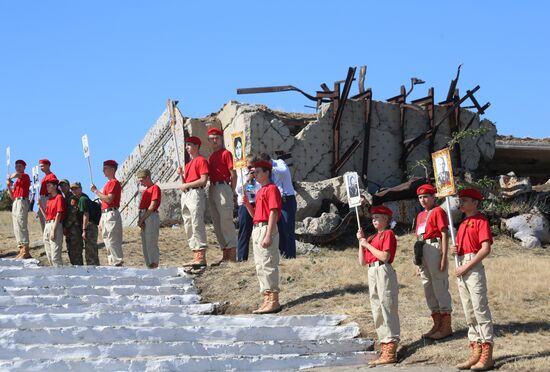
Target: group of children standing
{"type": "Point", "coordinates": [473, 244]}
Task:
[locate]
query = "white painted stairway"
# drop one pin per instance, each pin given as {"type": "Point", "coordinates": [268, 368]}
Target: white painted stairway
{"type": "Point", "coordinates": [125, 319]}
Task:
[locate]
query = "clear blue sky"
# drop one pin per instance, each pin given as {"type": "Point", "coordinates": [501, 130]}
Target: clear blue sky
{"type": "Point", "coordinates": [106, 68]}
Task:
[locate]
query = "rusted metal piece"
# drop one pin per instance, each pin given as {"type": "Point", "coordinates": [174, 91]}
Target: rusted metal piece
{"type": "Point", "coordinates": [429, 104]}
{"type": "Point", "coordinates": [343, 160]}
{"type": "Point", "coordinates": [362, 73]}
{"type": "Point", "coordinates": [366, 140]}
{"type": "Point", "coordinates": [412, 143]}
{"type": "Point", "coordinates": [274, 89]}
{"type": "Point", "coordinates": [339, 105]}
{"type": "Point", "coordinates": [452, 87]}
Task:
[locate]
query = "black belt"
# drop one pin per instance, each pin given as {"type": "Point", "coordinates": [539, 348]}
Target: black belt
{"type": "Point", "coordinates": [109, 209]}
{"type": "Point", "coordinates": [48, 221]}
{"type": "Point", "coordinates": [377, 263]}
{"type": "Point", "coordinates": [145, 210]}
{"type": "Point", "coordinates": [429, 241]}
{"type": "Point", "coordinates": [20, 198]}
{"type": "Point", "coordinates": [259, 224]}
{"type": "Point", "coordinates": [193, 188]}
{"type": "Point", "coordinates": [219, 182]}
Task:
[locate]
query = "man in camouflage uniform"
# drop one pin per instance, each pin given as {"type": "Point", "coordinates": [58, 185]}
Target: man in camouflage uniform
{"type": "Point", "coordinates": [72, 225]}
{"type": "Point", "coordinates": [89, 227]}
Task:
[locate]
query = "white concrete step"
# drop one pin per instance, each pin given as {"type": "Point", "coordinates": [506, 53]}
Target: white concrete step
{"type": "Point", "coordinates": [96, 271]}
{"type": "Point", "coordinates": [196, 364]}
{"type": "Point", "coordinates": [190, 309]}
{"type": "Point", "coordinates": [131, 349]}
{"type": "Point", "coordinates": [94, 319]}
{"type": "Point", "coordinates": [72, 280]}
{"type": "Point", "coordinates": [196, 333]}
{"type": "Point", "coordinates": [161, 300]}
{"type": "Point", "coordinates": [10, 262]}
{"type": "Point", "coordinates": [99, 290]}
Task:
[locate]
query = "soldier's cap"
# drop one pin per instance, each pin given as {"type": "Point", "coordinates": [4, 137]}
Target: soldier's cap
{"type": "Point", "coordinates": [215, 131]}
{"type": "Point", "coordinates": [74, 185]}
{"type": "Point", "coordinates": [194, 140]}
{"type": "Point", "coordinates": [143, 173]}
{"type": "Point", "coordinates": [19, 161]}
{"type": "Point", "coordinates": [263, 164]}
{"type": "Point", "coordinates": [110, 163]}
{"type": "Point", "coordinates": [44, 161]}
{"type": "Point", "coordinates": [426, 189]}
{"type": "Point", "coordinates": [53, 181]}
{"type": "Point", "coordinates": [470, 193]}
{"type": "Point", "coordinates": [381, 209]}
{"type": "Point", "coordinates": [64, 180]}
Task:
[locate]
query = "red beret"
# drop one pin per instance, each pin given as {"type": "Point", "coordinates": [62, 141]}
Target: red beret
{"type": "Point", "coordinates": [263, 164]}
{"type": "Point", "coordinates": [380, 209]}
{"type": "Point", "coordinates": [470, 193]}
{"type": "Point", "coordinates": [110, 163]}
{"type": "Point", "coordinates": [215, 132]}
{"type": "Point", "coordinates": [426, 189]}
{"type": "Point", "coordinates": [21, 162]}
{"type": "Point", "coordinates": [194, 140]}
{"type": "Point", "coordinates": [55, 181]}
{"type": "Point", "coordinates": [44, 161]}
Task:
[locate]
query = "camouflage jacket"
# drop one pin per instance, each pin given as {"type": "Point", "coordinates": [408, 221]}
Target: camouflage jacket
{"type": "Point", "coordinates": [72, 217]}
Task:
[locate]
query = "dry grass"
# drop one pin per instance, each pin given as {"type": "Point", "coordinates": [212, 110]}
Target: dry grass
{"type": "Point", "coordinates": [333, 282]}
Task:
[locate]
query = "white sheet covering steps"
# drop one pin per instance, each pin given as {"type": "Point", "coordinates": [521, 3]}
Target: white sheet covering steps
{"type": "Point", "coordinates": [114, 319]}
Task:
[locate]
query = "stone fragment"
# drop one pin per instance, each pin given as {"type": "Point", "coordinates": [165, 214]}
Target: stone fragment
{"type": "Point", "coordinates": [512, 185]}
{"type": "Point", "coordinates": [324, 224]}
{"type": "Point", "coordinates": [531, 228]}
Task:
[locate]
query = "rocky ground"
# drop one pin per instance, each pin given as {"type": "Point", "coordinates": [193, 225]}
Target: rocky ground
{"type": "Point", "coordinates": [331, 282]}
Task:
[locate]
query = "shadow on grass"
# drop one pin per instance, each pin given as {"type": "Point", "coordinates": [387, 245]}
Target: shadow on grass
{"type": "Point", "coordinates": [350, 289]}
{"type": "Point", "coordinates": [513, 328]}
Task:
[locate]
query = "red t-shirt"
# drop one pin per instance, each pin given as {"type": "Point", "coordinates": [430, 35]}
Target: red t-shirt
{"type": "Point", "coordinates": [112, 187]}
{"type": "Point", "coordinates": [21, 186]}
{"type": "Point", "coordinates": [267, 198]}
{"type": "Point", "coordinates": [219, 165]}
{"type": "Point", "coordinates": [436, 221]}
{"type": "Point", "coordinates": [384, 242]}
{"type": "Point", "coordinates": [195, 169]}
{"type": "Point", "coordinates": [149, 194]}
{"type": "Point", "coordinates": [47, 177]}
{"type": "Point", "coordinates": [471, 233]}
{"type": "Point", "coordinates": [54, 206]}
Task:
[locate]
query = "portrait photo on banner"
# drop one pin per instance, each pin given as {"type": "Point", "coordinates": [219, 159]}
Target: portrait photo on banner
{"type": "Point", "coordinates": [239, 157]}
{"type": "Point", "coordinates": [443, 172]}
{"type": "Point", "coordinates": [351, 180]}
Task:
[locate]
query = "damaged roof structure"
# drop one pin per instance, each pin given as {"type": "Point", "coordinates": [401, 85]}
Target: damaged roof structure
{"type": "Point", "coordinates": [386, 141]}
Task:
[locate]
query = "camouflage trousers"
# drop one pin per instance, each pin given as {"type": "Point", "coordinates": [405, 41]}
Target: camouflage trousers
{"type": "Point", "coordinates": [90, 245]}
{"type": "Point", "coordinates": [75, 245]}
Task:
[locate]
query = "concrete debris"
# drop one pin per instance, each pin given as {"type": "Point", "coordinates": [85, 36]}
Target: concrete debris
{"type": "Point", "coordinates": [303, 248]}
{"type": "Point", "coordinates": [531, 228]}
{"type": "Point", "coordinates": [512, 185]}
{"type": "Point", "coordinates": [311, 196]}
{"type": "Point", "coordinates": [404, 211]}
{"type": "Point", "coordinates": [324, 224]}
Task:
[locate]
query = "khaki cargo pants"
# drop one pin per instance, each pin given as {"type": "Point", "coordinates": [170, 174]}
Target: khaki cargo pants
{"type": "Point", "coordinates": [150, 239]}
{"type": "Point", "coordinates": [434, 281]}
{"type": "Point", "coordinates": [220, 202]}
{"type": "Point", "coordinates": [383, 294]}
{"type": "Point", "coordinates": [193, 206]}
{"type": "Point", "coordinates": [472, 288]}
{"type": "Point", "coordinates": [53, 247]}
{"type": "Point", "coordinates": [266, 259]}
{"type": "Point", "coordinates": [19, 216]}
{"type": "Point", "coordinates": [111, 230]}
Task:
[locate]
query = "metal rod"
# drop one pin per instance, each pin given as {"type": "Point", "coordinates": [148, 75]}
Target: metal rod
{"type": "Point", "coordinates": [358, 220]}
{"type": "Point", "coordinates": [90, 169]}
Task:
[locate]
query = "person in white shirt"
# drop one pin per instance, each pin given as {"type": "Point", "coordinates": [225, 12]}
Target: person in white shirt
{"type": "Point", "coordinates": [283, 180]}
{"type": "Point", "coordinates": [245, 176]}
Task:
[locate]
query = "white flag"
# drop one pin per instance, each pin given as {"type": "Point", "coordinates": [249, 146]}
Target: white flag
{"type": "Point", "coordinates": [85, 146]}
{"type": "Point", "coordinates": [8, 155]}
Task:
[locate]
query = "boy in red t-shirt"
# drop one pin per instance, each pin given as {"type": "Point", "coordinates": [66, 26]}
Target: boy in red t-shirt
{"type": "Point", "coordinates": [149, 221]}
{"type": "Point", "coordinates": [53, 230]}
{"type": "Point", "coordinates": [193, 201]}
{"type": "Point", "coordinates": [433, 239]}
{"type": "Point", "coordinates": [473, 244]}
{"type": "Point", "coordinates": [20, 207]}
{"type": "Point", "coordinates": [265, 236]}
{"type": "Point", "coordinates": [378, 252]}
{"type": "Point", "coordinates": [111, 221]}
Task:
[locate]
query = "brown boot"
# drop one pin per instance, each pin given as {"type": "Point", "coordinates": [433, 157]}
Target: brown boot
{"type": "Point", "coordinates": [485, 361]}
{"type": "Point", "coordinates": [272, 305]}
{"type": "Point", "coordinates": [20, 254]}
{"type": "Point", "coordinates": [26, 253]}
{"type": "Point", "coordinates": [445, 328]}
{"type": "Point", "coordinates": [473, 358]}
{"type": "Point", "coordinates": [264, 304]}
{"type": "Point", "coordinates": [436, 317]}
{"type": "Point", "coordinates": [232, 254]}
{"type": "Point", "coordinates": [199, 259]}
{"type": "Point", "coordinates": [388, 356]}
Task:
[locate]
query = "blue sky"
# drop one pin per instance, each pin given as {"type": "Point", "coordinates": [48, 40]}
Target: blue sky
{"type": "Point", "coordinates": [106, 68]}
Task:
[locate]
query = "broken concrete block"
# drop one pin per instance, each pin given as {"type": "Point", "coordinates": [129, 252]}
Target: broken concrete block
{"type": "Point", "coordinates": [303, 248]}
{"type": "Point", "coordinates": [512, 185]}
{"type": "Point", "coordinates": [324, 224]}
{"type": "Point", "coordinates": [455, 212]}
{"type": "Point", "coordinates": [531, 228]}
